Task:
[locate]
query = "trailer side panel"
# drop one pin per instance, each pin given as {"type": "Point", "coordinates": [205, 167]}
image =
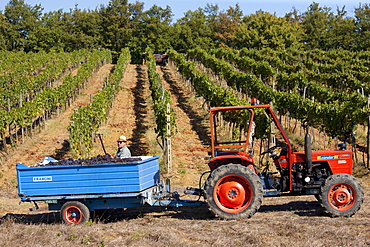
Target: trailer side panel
{"type": "Point", "coordinates": [82, 179]}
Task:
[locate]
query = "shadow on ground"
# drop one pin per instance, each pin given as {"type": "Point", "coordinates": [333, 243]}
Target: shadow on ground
{"type": "Point", "coordinates": [195, 117]}
{"type": "Point", "coordinates": [300, 208]}
{"type": "Point", "coordinates": [138, 137]}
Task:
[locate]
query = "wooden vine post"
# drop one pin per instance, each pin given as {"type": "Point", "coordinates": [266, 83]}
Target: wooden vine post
{"type": "Point", "coordinates": [168, 150]}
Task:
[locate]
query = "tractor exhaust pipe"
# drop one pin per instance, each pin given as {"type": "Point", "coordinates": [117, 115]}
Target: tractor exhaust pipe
{"type": "Point", "coordinates": [308, 152]}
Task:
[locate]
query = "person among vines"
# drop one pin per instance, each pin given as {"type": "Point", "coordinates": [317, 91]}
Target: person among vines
{"type": "Point", "coordinates": [123, 151]}
{"type": "Point", "coordinates": [143, 57]}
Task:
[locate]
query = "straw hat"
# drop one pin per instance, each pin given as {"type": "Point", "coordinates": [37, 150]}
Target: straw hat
{"type": "Point", "coordinates": [122, 139]}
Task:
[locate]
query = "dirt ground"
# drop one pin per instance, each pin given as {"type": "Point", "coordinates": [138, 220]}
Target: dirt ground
{"type": "Point", "coordinates": [281, 221]}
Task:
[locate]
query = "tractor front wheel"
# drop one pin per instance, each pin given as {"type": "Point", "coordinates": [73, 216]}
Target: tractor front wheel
{"type": "Point", "coordinates": [233, 191]}
{"type": "Point", "coordinates": [74, 213]}
{"type": "Point", "coordinates": [341, 195]}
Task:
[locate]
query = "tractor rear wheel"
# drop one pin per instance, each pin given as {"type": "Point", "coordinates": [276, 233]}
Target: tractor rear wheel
{"type": "Point", "coordinates": [341, 195]}
{"type": "Point", "coordinates": [74, 213]}
{"type": "Point", "coordinates": [233, 191]}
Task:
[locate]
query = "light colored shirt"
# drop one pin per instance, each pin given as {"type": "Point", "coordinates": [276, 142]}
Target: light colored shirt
{"type": "Point", "coordinates": [123, 152]}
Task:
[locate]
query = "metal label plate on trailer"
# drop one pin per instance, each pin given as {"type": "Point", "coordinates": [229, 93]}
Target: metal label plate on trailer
{"type": "Point", "coordinates": [42, 179]}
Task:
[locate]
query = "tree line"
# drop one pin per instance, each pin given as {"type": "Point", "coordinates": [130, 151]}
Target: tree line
{"type": "Point", "coordinates": [121, 24]}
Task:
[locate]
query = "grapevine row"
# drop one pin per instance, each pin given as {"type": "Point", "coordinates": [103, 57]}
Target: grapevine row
{"type": "Point", "coordinates": [87, 119]}
{"type": "Point", "coordinates": [293, 82]}
{"type": "Point", "coordinates": [214, 94]}
{"type": "Point", "coordinates": [347, 72]}
{"type": "Point", "coordinates": [28, 77]}
{"type": "Point", "coordinates": [336, 118]}
{"type": "Point", "coordinates": [161, 97]}
{"type": "Point", "coordinates": [50, 98]}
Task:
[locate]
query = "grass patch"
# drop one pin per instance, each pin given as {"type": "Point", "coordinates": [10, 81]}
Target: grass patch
{"type": "Point", "coordinates": [182, 171]}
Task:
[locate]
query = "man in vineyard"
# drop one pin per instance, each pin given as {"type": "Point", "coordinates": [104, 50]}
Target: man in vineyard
{"type": "Point", "coordinates": [123, 151]}
{"type": "Point", "coordinates": [143, 57]}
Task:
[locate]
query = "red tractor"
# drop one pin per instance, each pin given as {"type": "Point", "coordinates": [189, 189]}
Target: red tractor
{"type": "Point", "coordinates": [161, 59]}
{"type": "Point", "coordinates": [235, 188]}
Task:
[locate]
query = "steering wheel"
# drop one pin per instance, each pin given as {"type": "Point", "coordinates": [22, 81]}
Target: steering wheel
{"type": "Point", "coordinates": [271, 150]}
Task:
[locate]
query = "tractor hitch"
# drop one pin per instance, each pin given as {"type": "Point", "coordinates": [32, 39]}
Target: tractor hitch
{"type": "Point", "coordinates": [194, 191]}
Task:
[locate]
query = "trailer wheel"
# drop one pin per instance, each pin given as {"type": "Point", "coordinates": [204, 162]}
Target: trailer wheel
{"type": "Point", "coordinates": [341, 195]}
{"type": "Point", "coordinates": [74, 213]}
{"type": "Point", "coordinates": [233, 191]}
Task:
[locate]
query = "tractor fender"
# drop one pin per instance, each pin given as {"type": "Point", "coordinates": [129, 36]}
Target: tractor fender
{"type": "Point", "coordinates": [227, 159]}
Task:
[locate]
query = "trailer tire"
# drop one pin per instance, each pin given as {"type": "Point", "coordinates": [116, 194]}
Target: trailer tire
{"type": "Point", "coordinates": [233, 191]}
{"type": "Point", "coordinates": [74, 213]}
{"type": "Point", "coordinates": [341, 195]}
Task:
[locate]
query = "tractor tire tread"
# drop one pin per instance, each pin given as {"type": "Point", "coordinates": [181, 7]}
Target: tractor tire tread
{"type": "Point", "coordinates": [229, 169]}
{"type": "Point", "coordinates": [337, 179]}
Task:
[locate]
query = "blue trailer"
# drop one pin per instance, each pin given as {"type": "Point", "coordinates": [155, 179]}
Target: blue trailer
{"type": "Point", "coordinates": [78, 190]}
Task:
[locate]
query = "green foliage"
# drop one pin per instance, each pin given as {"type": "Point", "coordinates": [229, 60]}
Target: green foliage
{"type": "Point", "coordinates": [263, 124]}
{"type": "Point", "coordinates": [161, 98]}
{"type": "Point", "coordinates": [28, 92]}
{"type": "Point", "coordinates": [214, 94]}
{"type": "Point", "coordinates": [154, 34]}
{"type": "Point", "coordinates": [23, 18]}
{"type": "Point", "coordinates": [262, 30]}
{"type": "Point", "coordinates": [87, 119]}
{"type": "Point", "coordinates": [304, 63]}
{"type": "Point", "coordinates": [120, 21]}
{"type": "Point", "coordinates": [227, 25]}
{"type": "Point", "coordinates": [72, 236]}
{"type": "Point", "coordinates": [191, 31]}
{"type": "Point", "coordinates": [121, 24]}
{"type": "Point", "coordinates": [5, 30]}
{"type": "Point", "coordinates": [360, 38]}
{"type": "Point", "coordinates": [337, 113]}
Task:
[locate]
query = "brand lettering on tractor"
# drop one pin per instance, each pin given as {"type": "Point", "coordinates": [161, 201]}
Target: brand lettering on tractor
{"type": "Point", "coordinates": [330, 157]}
{"type": "Point", "coordinates": [42, 179]}
{"type": "Point", "coordinates": [344, 156]}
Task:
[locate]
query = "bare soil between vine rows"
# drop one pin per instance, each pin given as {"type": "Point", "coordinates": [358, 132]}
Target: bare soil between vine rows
{"type": "Point", "coordinates": [281, 221]}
